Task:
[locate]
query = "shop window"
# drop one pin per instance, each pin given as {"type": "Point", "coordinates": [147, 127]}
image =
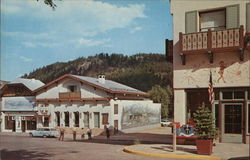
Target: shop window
{"type": "Point", "coordinates": [214, 20]}
{"type": "Point", "coordinates": [66, 119]}
{"type": "Point", "coordinates": [239, 95]}
{"type": "Point", "coordinates": [227, 95]}
{"type": "Point", "coordinates": [76, 119]}
{"type": "Point", "coordinates": [46, 122]}
{"type": "Point", "coordinates": [31, 125]}
{"type": "Point", "coordinates": [9, 122]}
{"type": "Point", "coordinates": [116, 109]}
{"type": "Point", "coordinates": [105, 118]}
{"type": "Point", "coordinates": [58, 118]}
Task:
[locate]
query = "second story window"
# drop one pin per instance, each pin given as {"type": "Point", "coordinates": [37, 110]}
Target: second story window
{"type": "Point", "coordinates": [214, 20]}
{"type": "Point", "coordinates": [72, 88]}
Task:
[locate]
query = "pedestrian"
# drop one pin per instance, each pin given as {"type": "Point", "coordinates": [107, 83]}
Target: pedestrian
{"type": "Point", "coordinates": [61, 130]}
{"type": "Point", "coordinates": [89, 132]}
{"type": "Point", "coordinates": [83, 134]}
{"type": "Point", "coordinates": [107, 133]}
{"type": "Point", "coordinates": [74, 133]}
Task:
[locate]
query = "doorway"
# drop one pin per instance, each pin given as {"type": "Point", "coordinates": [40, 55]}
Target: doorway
{"type": "Point", "coordinates": [232, 122]}
{"type": "Point", "coordinates": [23, 127]}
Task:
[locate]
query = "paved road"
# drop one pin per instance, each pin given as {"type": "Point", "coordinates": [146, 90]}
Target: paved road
{"type": "Point", "coordinates": [22, 147]}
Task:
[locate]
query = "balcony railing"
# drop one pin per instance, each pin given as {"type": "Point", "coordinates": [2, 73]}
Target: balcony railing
{"type": "Point", "coordinates": [212, 41]}
{"type": "Point", "coordinates": [70, 95]}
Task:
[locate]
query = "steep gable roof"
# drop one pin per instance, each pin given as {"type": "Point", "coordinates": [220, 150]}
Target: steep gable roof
{"type": "Point", "coordinates": [108, 85]}
{"type": "Point", "coordinates": [31, 84]}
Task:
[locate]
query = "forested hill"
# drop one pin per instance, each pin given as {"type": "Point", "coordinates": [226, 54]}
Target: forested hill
{"type": "Point", "coordinates": [141, 71]}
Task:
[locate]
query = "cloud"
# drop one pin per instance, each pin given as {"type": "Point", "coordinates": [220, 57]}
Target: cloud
{"type": "Point", "coordinates": [81, 17]}
{"type": "Point", "coordinates": [91, 42]}
{"type": "Point", "coordinates": [27, 35]}
{"type": "Point", "coordinates": [25, 59]}
{"type": "Point", "coordinates": [135, 29]}
{"type": "Point", "coordinates": [40, 44]}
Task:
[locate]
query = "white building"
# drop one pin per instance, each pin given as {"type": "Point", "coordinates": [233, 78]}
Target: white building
{"type": "Point", "coordinates": [83, 102]}
{"type": "Point", "coordinates": [212, 38]}
{"type": "Point", "coordinates": [17, 105]}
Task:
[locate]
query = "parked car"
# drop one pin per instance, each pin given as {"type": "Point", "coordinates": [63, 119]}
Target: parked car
{"type": "Point", "coordinates": [165, 122]}
{"type": "Point", "coordinates": [44, 132]}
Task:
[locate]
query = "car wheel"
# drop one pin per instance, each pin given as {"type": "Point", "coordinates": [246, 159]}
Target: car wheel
{"type": "Point", "coordinates": [31, 134]}
{"type": "Point", "coordinates": [44, 136]}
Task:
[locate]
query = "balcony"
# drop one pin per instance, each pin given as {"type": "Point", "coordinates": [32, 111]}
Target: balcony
{"type": "Point", "coordinates": [69, 95]}
{"type": "Point", "coordinates": [211, 42]}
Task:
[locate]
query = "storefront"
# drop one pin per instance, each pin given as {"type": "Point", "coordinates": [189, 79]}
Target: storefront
{"type": "Point", "coordinates": [18, 114]}
{"type": "Point", "coordinates": [231, 109]}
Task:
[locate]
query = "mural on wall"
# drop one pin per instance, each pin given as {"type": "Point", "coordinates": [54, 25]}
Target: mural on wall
{"type": "Point", "coordinates": [18, 103]}
{"type": "Point", "coordinates": [224, 73]}
{"type": "Point", "coordinates": [137, 115]}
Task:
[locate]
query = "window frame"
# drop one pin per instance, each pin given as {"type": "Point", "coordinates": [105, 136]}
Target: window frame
{"type": "Point", "coordinates": [210, 11]}
{"type": "Point", "coordinates": [116, 110]}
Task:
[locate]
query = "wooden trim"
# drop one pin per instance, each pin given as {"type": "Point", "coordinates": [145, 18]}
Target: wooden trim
{"type": "Point", "coordinates": [72, 99]}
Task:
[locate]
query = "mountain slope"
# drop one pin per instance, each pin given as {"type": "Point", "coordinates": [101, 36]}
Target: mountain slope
{"type": "Point", "coordinates": [141, 71]}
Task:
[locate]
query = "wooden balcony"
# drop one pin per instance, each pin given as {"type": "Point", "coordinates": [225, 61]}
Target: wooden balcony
{"type": "Point", "coordinates": [211, 42]}
{"type": "Point", "coordinates": [70, 95]}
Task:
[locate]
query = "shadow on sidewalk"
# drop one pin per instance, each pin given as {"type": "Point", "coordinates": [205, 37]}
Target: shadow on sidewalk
{"type": "Point", "coordinates": [183, 149]}
{"type": "Point", "coordinates": [24, 154]}
{"type": "Point", "coordinates": [240, 158]}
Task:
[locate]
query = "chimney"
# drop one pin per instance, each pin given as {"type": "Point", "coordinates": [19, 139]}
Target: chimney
{"type": "Point", "coordinates": [101, 79]}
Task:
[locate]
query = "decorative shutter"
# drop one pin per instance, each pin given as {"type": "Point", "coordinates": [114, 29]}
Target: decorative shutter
{"type": "Point", "coordinates": [191, 21]}
{"type": "Point", "coordinates": [248, 17]}
{"type": "Point", "coordinates": [232, 16]}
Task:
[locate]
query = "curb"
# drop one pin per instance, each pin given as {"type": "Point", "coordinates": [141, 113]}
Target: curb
{"type": "Point", "coordinates": [178, 156]}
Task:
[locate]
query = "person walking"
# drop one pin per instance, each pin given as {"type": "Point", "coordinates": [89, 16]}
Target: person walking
{"type": "Point", "coordinates": [89, 132]}
{"type": "Point", "coordinates": [61, 130]}
{"type": "Point", "coordinates": [107, 133]}
{"type": "Point", "coordinates": [74, 133]}
{"type": "Point", "coordinates": [83, 134]}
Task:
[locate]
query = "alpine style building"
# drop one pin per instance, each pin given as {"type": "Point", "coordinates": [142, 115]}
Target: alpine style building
{"type": "Point", "coordinates": [211, 39]}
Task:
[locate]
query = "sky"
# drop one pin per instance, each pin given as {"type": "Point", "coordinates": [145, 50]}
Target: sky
{"type": "Point", "coordinates": [34, 35]}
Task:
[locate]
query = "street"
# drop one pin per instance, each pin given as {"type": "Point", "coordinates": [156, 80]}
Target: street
{"type": "Point", "coordinates": [22, 147]}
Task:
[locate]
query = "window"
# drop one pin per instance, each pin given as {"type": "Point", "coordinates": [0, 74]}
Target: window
{"type": "Point", "coordinates": [239, 95]}
{"type": "Point", "coordinates": [214, 20]}
{"type": "Point", "coordinates": [9, 123]}
{"type": "Point", "coordinates": [76, 119]}
{"type": "Point", "coordinates": [58, 118]}
{"type": "Point", "coordinates": [46, 122]}
{"type": "Point", "coordinates": [216, 113]}
{"type": "Point", "coordinates": [233, 95]}
{"type": "Point", "coordinates": [105, 117]}
{"type": "Point", "coordinates": [86, 119]}
{"type": "Point", "coordinates": [227, 95]}
{"type": "Point", "coordinates": [116, 109]}
{"type": "Point", "coordinates": [72, 88]}
{"type": "Point", "coordinates": [31, 124]}
{"type": "Point", "coordinates": [66, 119]}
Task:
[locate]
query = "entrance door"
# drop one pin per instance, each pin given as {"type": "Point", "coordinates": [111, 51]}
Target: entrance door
{"type": "Point", "coordinates": [232, 123]}
{"type": "Point", "coordinates": [96, 120]}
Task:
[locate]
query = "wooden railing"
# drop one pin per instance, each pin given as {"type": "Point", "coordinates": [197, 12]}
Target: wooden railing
{"type": "Point", "coordinates": [212, 41]}
{"type": "Point", "coordinates": [69, 95]}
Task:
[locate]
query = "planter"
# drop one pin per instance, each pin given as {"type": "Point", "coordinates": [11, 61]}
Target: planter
{"type": "Point", "coordinates": [204, 147]}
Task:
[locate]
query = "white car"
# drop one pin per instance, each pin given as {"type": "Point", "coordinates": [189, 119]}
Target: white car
{"type": "Point", "coordinates": [165, 122]}
{"type": "Point", "coordinates": [44, 132]}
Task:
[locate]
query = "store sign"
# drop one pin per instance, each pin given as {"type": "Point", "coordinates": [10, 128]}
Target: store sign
{"type": "Point", "coordinates": [18, 103]}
